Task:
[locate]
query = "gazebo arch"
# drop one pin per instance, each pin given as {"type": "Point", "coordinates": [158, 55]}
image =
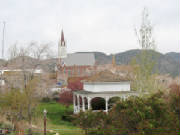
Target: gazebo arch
{"type": "Point", "coordinates": [98, 103]}
{"type": "Point", "coordinates": [80, 101]}
{"type": "Point", "coordinates": [75, 99]}
{"type": "Point", "coordinates": [113, 100]}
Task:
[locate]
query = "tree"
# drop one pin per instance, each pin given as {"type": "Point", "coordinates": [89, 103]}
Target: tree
{"type": "Point", "coordinates": [174, 99]}
{"type": "Point", "coordinates": [145, 62]}
{"type": "Point", "coordinates": [18, 104]}
{"type": "Point", "coordinates": [66, 97]}
{"type": "Point", "coordinates": [27, 84]}
{"type": "Point", "coordinates": [93, 123]}
{"type": "Point", "coordinates": [74, 83]}
{"type": "Point", "coordinates": [12, 104]}
{"type": "Point", "coordinates": [144, 34]}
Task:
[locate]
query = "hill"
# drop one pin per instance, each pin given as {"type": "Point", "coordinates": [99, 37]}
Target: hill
{"type": "Point", "coordinates": [175, 56]}
{"type": "Point", "coordinates": [167, 63]}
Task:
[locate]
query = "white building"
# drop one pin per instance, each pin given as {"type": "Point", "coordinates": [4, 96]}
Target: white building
{"type": "Point", "coordinates": [36, 71]}
{"type": "Point", "coordinates": [2, 82]}
{"type": "Point", "coordinates": [105, 90]}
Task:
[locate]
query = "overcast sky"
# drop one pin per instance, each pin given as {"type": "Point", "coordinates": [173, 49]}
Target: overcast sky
{"type": "Point", "coordinates": [89, 25]}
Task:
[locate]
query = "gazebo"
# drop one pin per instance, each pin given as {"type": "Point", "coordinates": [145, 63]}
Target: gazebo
{"type": "Point", "coordinates": [105, 90]}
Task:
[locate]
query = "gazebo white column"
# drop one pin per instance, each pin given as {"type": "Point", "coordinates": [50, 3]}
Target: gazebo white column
{"type": "Point", "coordinates": [83, 104]}
{"type": "Point", "coordinates": [78, 104]}
{"type": "Point", "coordinates": [106, 99]}
{"type": "Point", "coordinates": [89, 103]}
{"type": "Point", "coordinates": [74, 102]}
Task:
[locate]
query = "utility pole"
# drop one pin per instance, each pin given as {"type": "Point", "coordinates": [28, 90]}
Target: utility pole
{"type": "Point", "coordinates": [4, 24]}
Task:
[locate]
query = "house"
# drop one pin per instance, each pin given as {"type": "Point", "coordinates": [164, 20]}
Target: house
{"type": "Point", "coordinates": [15, 76]}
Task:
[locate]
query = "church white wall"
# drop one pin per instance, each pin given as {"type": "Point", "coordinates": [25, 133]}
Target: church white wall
{"type": "Point", "coordinates": [107, 86]}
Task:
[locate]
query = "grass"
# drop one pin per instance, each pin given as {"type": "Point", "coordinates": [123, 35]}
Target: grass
{"type": "Point", "coordinates": [55, 112]}
{"type": "Point", "coordinates": [55, 123]}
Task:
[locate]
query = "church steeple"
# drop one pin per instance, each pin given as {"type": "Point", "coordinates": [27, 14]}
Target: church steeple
{"type": "Point", "coordinates": [62, 38]}
{"type": "Point", "coordinates": [62, 52]}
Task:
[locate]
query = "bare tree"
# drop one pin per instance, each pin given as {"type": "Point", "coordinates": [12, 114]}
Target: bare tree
{"type": "Point", "coordinates": [145, 32]}
{"type": "Point", "coordinates": [145, 63]}
{"type": "Point", "coordinates": [24, 61]}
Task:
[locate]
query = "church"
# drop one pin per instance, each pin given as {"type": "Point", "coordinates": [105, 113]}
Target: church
{"type": "Point", "coordinates": [80, 64]}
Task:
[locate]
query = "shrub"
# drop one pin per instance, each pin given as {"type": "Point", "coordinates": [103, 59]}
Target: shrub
{"type": "Point", "coordinates": [174, 102]}
{"type": "Point", "coordinates": [74, 83]}
{"type": "Point", "coordinates": [66, 98]}
{"type": "Point", "coordinates": [143, 116]}
{"type": "Point", "coordinates": [91, 123]}
{"type": "Point", "coordinates": [67, 116]}
{"type": "Point", "coordinates": [55, 96]}
{"type": "Point", "coordinates": [135, 116]}
{"type": "Point", "coordinates": [45, 99]}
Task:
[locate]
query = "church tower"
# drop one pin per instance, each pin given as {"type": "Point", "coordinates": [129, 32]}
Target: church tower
{"type": "Point", "coordinates": [62, 49]}
{"type": "Point", "coordinates": [62, 54]}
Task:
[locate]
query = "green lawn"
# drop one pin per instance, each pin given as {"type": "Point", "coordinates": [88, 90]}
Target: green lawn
{"type": "Point", "coordinates": [55, 112]}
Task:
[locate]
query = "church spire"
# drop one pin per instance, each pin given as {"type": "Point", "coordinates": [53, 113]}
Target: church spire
{"type": "Point", "coordinates": [62, 38]}
{"type": "Point", "coordinates": [62, 52]}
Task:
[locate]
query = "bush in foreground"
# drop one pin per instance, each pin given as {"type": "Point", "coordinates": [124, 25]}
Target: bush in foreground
{"type": "Point", "coordinates": [135, 116]}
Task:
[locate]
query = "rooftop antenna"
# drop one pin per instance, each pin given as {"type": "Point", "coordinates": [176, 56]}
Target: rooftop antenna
{"type": "Point", "coordinates": [4, 24]}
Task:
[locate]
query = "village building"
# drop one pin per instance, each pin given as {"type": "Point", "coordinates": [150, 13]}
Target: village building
{"type": "Point", "coordinates": [13, 75]}
{"type": "Point", "coordinates": [73, 65]}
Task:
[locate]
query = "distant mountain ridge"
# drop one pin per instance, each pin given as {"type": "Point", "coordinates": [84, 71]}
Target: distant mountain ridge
{"type": "Point", "coordinates": [174, 55]}
{"type": "Point", "coordinates": [168, 63]}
